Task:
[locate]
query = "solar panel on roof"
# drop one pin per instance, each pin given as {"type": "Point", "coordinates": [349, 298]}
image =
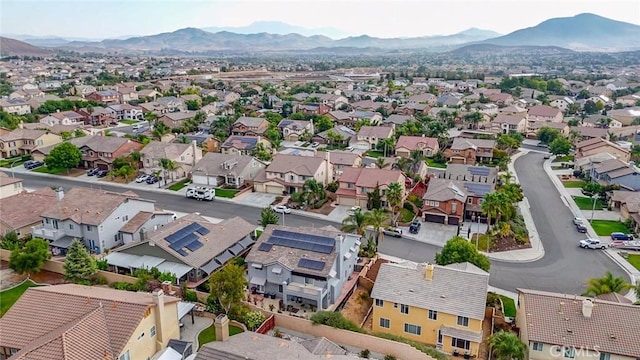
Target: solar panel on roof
{"type": "Point", "coordinates": [202, 230]}
{"type": "Point", "coordinates": [311, 264]}
{"type": "Point", "coordinates": [181, 252]}
{"type": "Point", "coordinates": [187, 239]}
{"type": "Point", "coordinates": [265, 247]}
{"type": "Point", "coordinates": [302, 245]}
{"type": "Point", "coordinates": [194, 245]}
{"type": "Point", "coordinates": [324, 240]}
{"type": "Point", "coordinates": [479, 171]}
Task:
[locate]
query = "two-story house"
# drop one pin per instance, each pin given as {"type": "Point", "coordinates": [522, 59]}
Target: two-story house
{"type": "Point", "coordinates": [594, 146]}
{"type": "Point", "coordinates": [100, 151]}
{"type": "Point", "coordinates": [470, 151]}
{"type": "Point", "coordinates": [506, 124]}
{"type": "Point", "coordinates": [217, 169]}
{"type": "Point", "coordinates": [288, 173]}
{"type": "Point", "coordinates": [544, 113]}
{"type": "Point", "coordinates": [339, 160]}
{"type": "Point", "coordinates": [63, 118]}
{"type": "Point", "coordinates": [25, 141]}
{"type": "Point", "coordinates": [20, 212]}
{"type": "Point", "coordinates": [251, 126]}
{"type": "Point", "coordinates": [242, 145]}
{"type": "Point", "coordinates": [432, 304]}
{"type": "Point", "coordinates": [104, 96]}
{"type": "Point", "coordinates": [94, 217]}
{"type": "Point", "coordinates": [449, 201]}
{"type": "Point", "coordinates": [292, 130]}
{"type": "Point", "coordinates": [72, 321]}
{"type": "Point", "coordinates": [616, 172]}
{"type": "Point", "coordinates": [184, 156]}
{"type": "Point", "coordinates": [355, 183]}
{"type": "Point", "coordinates": [302, 265]}
{"type": "Point", "coordinates": [563, 326]}
{"type": "Point", "coordinates": [339, 135]}
{"type": "Point", "coordinates": [15, 106]}
{"type": "Point", "coordinates": [126, 112]}
{"type": "Point", "coordinates": [369, 136]}
{"type": "Point", "coordinates": [175, 120]}
{"type": "Point", "coordinates": [427, 146]}
{"type": "Point", "coordinates": [10, 186]}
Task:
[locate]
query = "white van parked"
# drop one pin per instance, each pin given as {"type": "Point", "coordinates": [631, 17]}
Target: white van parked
{"type": "Point", "coordinates": [201, 193]}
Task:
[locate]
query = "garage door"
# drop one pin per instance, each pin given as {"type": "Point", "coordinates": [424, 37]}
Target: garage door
{"type": "Point", "coordinates": [102, 166]}
{"type": "Point", "coordinates": [453, 221]}
{"type": "Point", "coordinates": [434, 218]}
{"type": "Point", "coordinates": [274, 189]}
{"type": "Point", "coordinates": [348, 201]}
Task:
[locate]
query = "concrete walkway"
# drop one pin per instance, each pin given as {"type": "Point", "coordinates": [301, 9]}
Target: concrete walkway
{"type": "Point", "coordinates": [190, 331]}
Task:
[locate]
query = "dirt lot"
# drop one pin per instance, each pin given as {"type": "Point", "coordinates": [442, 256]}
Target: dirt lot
{"type": "Point", "coordinates": [9, 278]}
{"type": "Point", "coordinates": [326, 209]}
{"type": "Point", "coordinates": [357, 306]}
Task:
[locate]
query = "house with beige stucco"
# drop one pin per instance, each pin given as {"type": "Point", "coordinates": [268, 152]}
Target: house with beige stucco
{"type": "Point", "coordinates": [25, 141]}
{"type": "Point", "coordinates": [288, 173]}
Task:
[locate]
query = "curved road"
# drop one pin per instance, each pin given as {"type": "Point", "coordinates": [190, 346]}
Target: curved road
{"type": "Point", "coordinates": [564, 268]}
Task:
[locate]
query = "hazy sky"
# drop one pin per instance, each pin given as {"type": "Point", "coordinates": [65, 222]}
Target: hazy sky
{"type": "Point", "coordinates": [390, 18]}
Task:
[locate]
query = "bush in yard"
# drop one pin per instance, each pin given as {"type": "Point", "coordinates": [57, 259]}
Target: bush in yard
{"type": "Point", "coordinates": [389, 357]}
{"type": "Point", "coordinates": [238, 312]}
{"type": "Point", "coordinates": [31, 257]}
{"type": "Point", "coordinates": [100, 280]}
{"type": "Point", "coordinates": [64, 156]}
{"type": "Point", "coordinates": [415, 199]}
{"type": "Point", "coordinates": [459, 250]}
{"type": "Point", "coordinates": [336, 320]}
{"type": "Point", "coordinates": [191, 296]}
{"type": "Point", "coordinates": [364, 353]}
{"type": "Point", "coordinates": [213, 305]}
{"type": "Point", "coordinates": [102, 265]}
{"type": "Point", "coordinates": [253, 320]}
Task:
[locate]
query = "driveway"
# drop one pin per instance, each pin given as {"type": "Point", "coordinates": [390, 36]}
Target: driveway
{"type": "Point", "coordinates": [431, 233]}
{"type": "Point", "coordinates": [256, 199]}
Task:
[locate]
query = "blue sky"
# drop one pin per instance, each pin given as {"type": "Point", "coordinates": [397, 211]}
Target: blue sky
{"type": "Point", "coordinates": [391, 18]}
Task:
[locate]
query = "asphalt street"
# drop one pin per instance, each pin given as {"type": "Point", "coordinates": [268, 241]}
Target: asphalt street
{"type": "Point", "coordinates": [564, 268]}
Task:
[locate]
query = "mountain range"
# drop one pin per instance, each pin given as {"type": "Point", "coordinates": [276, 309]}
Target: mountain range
{"type": "Point", "coordinates": [581, 32]}
{"type": "Point", "coordinates": [279, 28]}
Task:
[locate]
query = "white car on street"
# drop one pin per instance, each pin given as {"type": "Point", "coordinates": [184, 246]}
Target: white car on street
{"type": "Point", "coordinates": [142, 178]}
{"type": "Point", "coordinates": [593, 244]}
{"type": "Point", "coordinates": [282, 209]}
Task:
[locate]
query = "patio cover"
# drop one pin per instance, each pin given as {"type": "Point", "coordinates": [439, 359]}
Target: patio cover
{"type": "Point", "coordinates": [121, 259]}
{"type": "Point", "coordinates": [169, 354]}
{"type": "Point", "coordinates": [179, 270]}
{"type": "Point", "coordinates": [256, 280]}
{"type": "Point", "coordinates": [210, 267]}
{"type": "Point", "coordinates": [236, 249]}
{"type": "Point", "coordinates": [246, 242]}
{"type": "Point", "coordinates": [63, 243]}
{"type": "Point", "coordinates": [184, 308]}
{"type": "Point", "coordinates": [461, 334]}
{"type": "Point", "coordinates": [224, 257]}
{"type": "Point", "coordinates": [146, 262]}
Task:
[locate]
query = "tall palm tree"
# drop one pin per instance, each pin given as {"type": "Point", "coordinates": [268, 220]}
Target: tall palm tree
{"type": "Point", "coordinates": [136, 156]}
{"type": "Point", "coordinates": [606, 285]}
{"type": "Point", "coordinates": [506, 345]}
{"type": "Point", "coordinates": [167, 165]}
{"type": "Point", "coordinates": [415, 158]}
{"type": "Point", "coordinates": [395, 195]}
{"type": "Point", "coordinates": [381, 163]}
{"type": "Point", "coordinates": [354, 223]}
{"type": "Point", "coordinates": [159, 130]}
{"type": "Point", "coordinates": [496, 205]}
{"type": "Point", "coordinates": [376, 219]}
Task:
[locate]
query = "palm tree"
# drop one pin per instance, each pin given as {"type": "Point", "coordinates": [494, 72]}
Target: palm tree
{"type": "Point", "coordinates": [606, 285]}
{"type": "Point", "coordinates": [415, 158]}
{"type": "Point", "coordinates": [636, 291]}
{"type": "Point", "coordinates": [354, 223]}
{"type": "Point", "coordinates": [159, 130]}
{"type": "Point", "coordinates": [314, 191]}
{"type": "Point", "coordinates": [506, 345]}
{"type": "Point", "coordinates": [496, 205]}
{"type": "Point", "coordinates": [395, 195]}
{"type": "Point", "coordinates": [136, 156]}
{"type": "Point", "coordinates": [381, 163]}
{"type": "Point", "coordinates": [167, 165]}
{"type": "Point", "coordinates": [376, 219]}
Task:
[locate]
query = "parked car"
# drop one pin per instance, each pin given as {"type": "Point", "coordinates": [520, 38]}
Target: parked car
{"type": "Point", "coordinates": [102, 173]}
{"type": "Point", "coordinates": [315, 144]}
{"type": "Point", "coordinates": [392, 231]}
{"type": "Point", "coordinates": [349, 148]}
{"type": "Point", "coordinates": [282, 209]}
{"type": "Point", "coordinates": [581, 228]}
{"type": "Point", "coordinates": [592, 244]}
{"type": "Point", "coordinates": [621, 236]}
{"type": "Point", "coordinates": [32, 164]}
{"type": "Point", "coordinates": [547, 157]}
{"type": "Point", "coordinates": [414, 228]}
{"type": "Point", "coordinates": [93, 171]}
{"type": "Point", "coordinates": [201, 193]}
{"type": "Point", "coordinates": [152, 179]}
{"type": "Point", "coordinates": [577, 220]}
{"type": "Point", "coordinates": [142, 178]}
{"type": "Point", "coordinates": [353, 210]}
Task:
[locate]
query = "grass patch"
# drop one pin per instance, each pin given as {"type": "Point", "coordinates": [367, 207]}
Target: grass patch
{"type": "Point", "coordinates": [129, 122]}
{"type": "Point", "coordinates": [226, 193]}
{"type": "Point", "coordinates": [634, 260]}
{"type": "Point", "coordinates": [483, 241]}
{"type": "Point", "coordinates": [209, 334]}
{"type": "Point", "coordinates": [15, 161]}
{"type": "Point", "coordinates": [509, 306]}
{"type": "Point", "coordinates": [179, 185]}
{"type": "Point", "coordinates": [564, 158]}
{"type": "Point", "coordinates": [45, 170]}
{"type": "Point", "coordinates": [258, 233]}
{"type": "Point", "coordinates": [585, 203]}
{"type": "Point", "coordinates": [573, 184]}
{"type": "Point", "coordinates": [434, 164]}
{"type": "Point", "coordinates": [406, 215]}
{"type": "Point", "coordinates": [10, 296]}
{"type": "Point", "coordinates": [606, 227]}
{"type": "Point", "coordinates": [374, 154]}
{"type": "Point", "coordinates": [557, 167]}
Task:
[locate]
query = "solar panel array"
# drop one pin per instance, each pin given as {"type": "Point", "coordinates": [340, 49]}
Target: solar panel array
{"type": "Point", "coordinates": [321, 244]}
{"type": "Point", "coordinates": [482, 171]}
{"type": "Point", "coordinates": [311, 264]}
{"type": "Point", "coordinates": [265, 247]}
{"type": "Point", "coordinates": [478, 188]}
{"type": "Point", "coordinates": [186, 238]}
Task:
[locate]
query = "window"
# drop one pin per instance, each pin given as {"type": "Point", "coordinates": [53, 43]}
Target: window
{"type": "Point", "coordinates": [433, 315]}
{"type": "Point", "coordinates": [569, 352]}
{"type": "Point", "coordinates": [280, 288]}
{"type": "Point", "coordinates": [89, 228]}
{"type": "Point", "coordinates": [413, 329]}
{"type": "Point", "coordinates": [460, 343]}
{"type": "Point", "coordinates": [463, 321]}
{"type": "Point", "coordinates": [153, 331]}
{"type": "Point", "coordinates": [141, 336]}
{"type": "Point", "coordinates": [308, 281]}
{"type": "Point", "coordinates": [125, 356]}
{"type": "Point", "coordinates": [605, 356]}
{"type": "Point", "coordinates": [404, 309]}
{"type": "Point", "coordinates": [454, 207]}
{"type": "Point", "coordinates": [70, 226]}
{"type": "Point", "coordinates": [379, 303]}
{"type": "Point", "coordinates": [395, 305]}
{"type": "Point", "coordinates": [469, 200]}
{"type": "Point", "coordinates": [125, 218]}
{"type": "Point", "coordinates": [537, 346]}
{"type": "Point", "coordinates": [385, 323]}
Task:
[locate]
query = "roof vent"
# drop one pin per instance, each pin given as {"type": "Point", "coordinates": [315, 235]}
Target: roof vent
{"type": "Point", "coordinates": [443, 296]}
{"type": "Point", "coordinates": [569, 331]}
{"type": "Point", "coordinates": [612, 337]}
{"type": "Point", "coordinates": [410, 290]}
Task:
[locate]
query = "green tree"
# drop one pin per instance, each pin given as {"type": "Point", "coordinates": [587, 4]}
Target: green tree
{"type": "Point", "coordinates": [506, 345]}
{"type": "Point", "coordinates": [10, 241]}
{"type": "Point", "coordinates": [159, 130]}
{"type": "Point", "coordinates": [354, 223]}
{"type": "Point", "coordinates": [606, 285]}
{"type": "Point", "coordinates": [64, 156]}
{"type": "Point", "coordinates": [261, 153]}
{"type": "Point", "coordinates": [497, 205]}
{"type": "Point", "coordinates": [560, 146]}
{"type": "Point", "coordinates": [376, 219]}
{"type": "Point", "coordinates": [374, 198]}
{"type": "Point", "coordinates": [395, 195]}
{"type": "Point", "coordinates": [78, 265]}
{"type": "Point", "coordinates": [459, 250]}
{"type": "Point", "coordinates": [227, 285]}
{"type": "Point", "coordinates": [381, 163]}
{"type": "Point", "coordinates": [314, 191]}
{"type": "Point", "coordinates": [168, 166]}
{"type": "Point", "coordinates": [546, 134]}
{"type": "Point", "coordinates": [31, 257]}
{"type": "Point", "coordinates": [268, 216]}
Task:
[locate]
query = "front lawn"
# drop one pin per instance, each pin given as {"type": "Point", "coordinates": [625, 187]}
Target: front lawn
{"type": "Point", "coordinates": [406, 216]}
{"type": "Point", "coordinates": [509, 306]}
{"type": "Point", "coordinates": [45, 170]}
{"type": "Point", "coordinates": [209, 334]}
{"type": "Point", "coordinates": [374, 154]}
{"type": "Point", "coordinates": [179, 185]}
{"type": "Point", "coordinates": [434, 164]}
{"type": "Point", "coordinates": [634, 260]}
{"type": "Point", "coordinates": [573, 184]}
{"type": "Point", "coordinates": [585, 203]}
{"type": "Point", "coordinates": [483, 241]}
{"type": "Point", "coordinates": [10, 296]}
{"type": "Point", "coordinates": [565, 158]}
{"type": "Point", "coordinates": [226, 193]}
{"type": "Point", "coordinates": [606, 227]}
{"type": "Point", "coordinates": [129, 122]}
{"type": "Point", "coordinates": [15, 161]}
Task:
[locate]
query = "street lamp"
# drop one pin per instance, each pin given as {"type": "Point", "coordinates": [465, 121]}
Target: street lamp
{"type": "Point", "coordinates": [282, 218]}
{"type": "Point", "coordinates": [15, 161]}
{"type": "Point", "coordinates": [593, 208]}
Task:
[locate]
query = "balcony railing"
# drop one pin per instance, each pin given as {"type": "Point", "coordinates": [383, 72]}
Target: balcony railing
{"type": "Point", "coordinates": [304, 289]}
{"type": "Point", "coordinates": [50, 234]}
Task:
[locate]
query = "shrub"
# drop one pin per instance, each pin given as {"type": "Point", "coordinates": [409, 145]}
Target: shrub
{"type": "Point", "coordinates": [238, 312]}
{"type": "Point", "coordinates": [415, 199]}
{"type": "Point", "coordinates": [389, 357]}
{"type": "Point", "coordinates": [122, 285]}
{"type": "Point", "coordinates": [364, 297]}
{"type": "Point", "coordinates": [336, 320]}
{"type": "Point", "coordinates": [83, 282]}
{"type": "Point", "coordinates": [100, 280]}
{"type": "Point", "coordinates": [239, 261]}
{"type": "Point", "coordinates": [408, 206]}
{"type": "Point", "coordinates": [277, 333]}
{"type": "Point", "coordinates": [213, 305]}
{"type": "Point", "coordinates": [332, 187]}
{"type": "Point", "coordinates": [519, 229]}
{"type": "Point", "coordinates": [364, 353]}
{"type": "Point", "coordinates": [102, 265]}
{"type": "Point", "coordinates": [190, 295]}
{"type": "Point", "coordinates": [253, 320]}
{"type": "Point", "coordinates": [318, 204]}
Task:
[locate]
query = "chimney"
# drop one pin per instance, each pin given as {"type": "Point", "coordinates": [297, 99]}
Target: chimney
{"type": "Point", "coordinates": [158, 300]}
{"type": "Point", "coordinates": [59, 193]}
{"type": "Point", "coordinates": [221, 324]}
{"type": "Point", "coordinates": [587, 307]}
{"type": "Point", "coordinates": [428, 271]}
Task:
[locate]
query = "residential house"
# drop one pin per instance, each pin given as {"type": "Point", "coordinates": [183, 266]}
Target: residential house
{"type": "Point", "coordinates": [534, 127]}
{"type": "Point", "coordinates": [176, 120]}
{"type": "Point", "coordinates": [629, 100]}
{"type": "Point", "coordinates": [544, 114]}
{"type": "Point", "coordinates": [25, 141]}
{"type": "Point", "coordinates": [587, 133]}
{"type": "Point", "coordinates": [243, 145]}
{"type": "Point", "coordinates": [513, 110]}
{"type": "Point", "coordinates": [303, 265]}
{"type": "Point", "coordinates": [486, 109]}
{"type": "Point", "coordinates": [126, 112]}
{"type": "Point", "coordinates": [101, 151]}
{"type": "Point", "coordinates": [506, 124]}
{"type": "Point", "coordinates": [104, 96]}
{"type": "Point", "coordinates": [437, 305]}
{"type": "Point", "coordinates": [561, 102]}
{"type": "Point", "coordinates": [339, 160]}
{"type": "Point", "coordinates": [83, 90]}
{"type": "Point", "coordinates": [427, 146]}
{"type": "Point", "coordinates": [15, 106]}
{"type": "Point", "coordinates": [597, 145]}
{"type": "Point", "coordinates": [625, 116]}
{"type": "Point", "coordinates": [63, 118]}
{"type": "Point", "coordinates": [501, 99]}
{"type": "Point", "coordinates": [292, 130]}
{"type": "Point", "coordinates": [413, 109]}
{"type": "Point", "coordinates": [554, 325]}
{"type": "Point", "coordinates": [425, 98]}
{"type": "Point", "coordinates": [56, 322]}
{"type": "Point", "coordinates": [616, 172]}
{"type": "Point", "coordinates": [127, 94]}
{"type": "Point", "coordinates": [351, 118]}
{"type": "Point", "coordinates": [251, 126]}
{"type": "Point", "coordinates": [450, 100]}
{"type": "Point", "coordinates": [184, 157]}
{"type": "Point", "coordinates": [92, 216]}
{"type": "Point", "coordinates": [191, 248]}
{"type": "Point", "coordinates": [628, 203]}
{"type": "Point", "coordinates": [470, 151]}
{"type": "Point", "coordinates": [340, 135]}
{"type": "Point", "coordinates": [163, 105]}
{"type": "Point", "coordinates": [355, 183]}
{"type": "Point", "coordinates": [98, 116]}
{"type": "Point", "coordinates": [369, 136]}
{"type": "Point", "coordinates": [288, 173]}
{"type": "Point", "coordinates": [397, 119]}
{"type": "Point", "coordinates": [10, 186]}
{"type": "Point", "coordinates": [148, 94]}
{"type": "Point", "coordinates": [216, 169]}
{"type": "Point", "coordinates": [21, 212]}
{"type": "Point", "coordinates": [312, 108]}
